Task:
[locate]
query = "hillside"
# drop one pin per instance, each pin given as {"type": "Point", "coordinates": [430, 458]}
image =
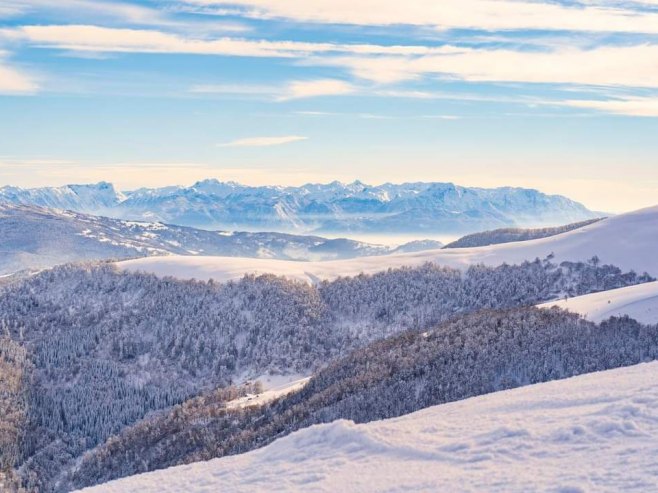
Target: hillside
{"type": "Point", "coordinates": [638, 302]}
{"type": "Point", "coordinates": [627, 241]}
{"type": "Point", "coordinates": [33, 238]}
{"type": "Point", "coordinates": [96, 335]}
{"type": "Point", "coordinates": [468, 356]}
{"type": "Point", "coordinates": [336, 208]}
{"type": "Point", "coordinates": [510, 235]}
{"type": "Point", "coordinates": [569, 435]}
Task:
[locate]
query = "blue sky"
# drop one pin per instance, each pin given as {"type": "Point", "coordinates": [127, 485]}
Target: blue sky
{"type": "Point", "coordinates": [560, 96]}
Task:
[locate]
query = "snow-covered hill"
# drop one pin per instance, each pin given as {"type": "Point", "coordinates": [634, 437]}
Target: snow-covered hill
{"type": "Point", "coordinates": [596, 432]}
{"type": "Point", "coordinates": [33, 238]}
{"type": "Point", "coordinates": [627, 241]}
{"type": "Point", "coordinates": [639, 302]}
{"type": "Point", "coordinates": [411, 208]}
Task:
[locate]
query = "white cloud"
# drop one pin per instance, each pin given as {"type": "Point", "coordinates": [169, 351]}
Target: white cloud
{"type": "Point", "coordinates": [264, 141]}
{"type": "Point", "coordinates": [102, 39]}
{"type": "Point", "coordinates": [628, 65]}
{"type": "Point", "coordinates": [10, 10]}
{"type": "Point", "coordinates": [644, 107]}
{"type": "Point", "coordinates": [13, 81]}
{"type": "Point", "coordinates": [287, 92]}
{"type": "Point", "coordinates": [106, 39]}
{"type": "Point", "coordinates": [316, 88]}
{"type": "Point", "coordinates": [634, 66]}
{"type": "Point", "coordinates": [607, 65]}
{"type": "Point", "coordinates": [447, 14]}
{"type": "Point", "coordinates": [124, 14]}
{"type": "Point", "coordinates": [98, 9]}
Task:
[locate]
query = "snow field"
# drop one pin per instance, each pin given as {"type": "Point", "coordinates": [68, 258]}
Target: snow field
{"type": "Point", "coordinates": [639, 302]}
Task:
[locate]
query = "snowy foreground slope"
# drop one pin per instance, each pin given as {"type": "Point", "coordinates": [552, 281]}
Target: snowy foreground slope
{"type": "Point", "coordinates": [627, 241]}
{"type": "Point", "coordinates": [596, 432]}
{"type": "Point", "coordinates": [639, 302]}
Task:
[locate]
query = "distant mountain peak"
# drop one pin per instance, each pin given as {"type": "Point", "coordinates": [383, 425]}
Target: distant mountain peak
{"type": "Point", "coordinates": [435, 208]}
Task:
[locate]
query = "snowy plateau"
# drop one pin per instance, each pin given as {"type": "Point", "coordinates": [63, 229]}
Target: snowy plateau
{"type": "Point", "coordinates": [595, 432]}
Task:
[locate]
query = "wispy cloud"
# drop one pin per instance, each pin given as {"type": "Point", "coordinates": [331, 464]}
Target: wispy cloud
{"type": "Point", "coordinates": [633, 66]}
{"type": "Point", "coordinates": [13, 80]}
{"type": "Point", "coordinates": [643, 107]}
{"type": "Point", "coordinates": [264, 141]}
{"type": "Point", "coordinates": [316, 88]}
{"type": "Point", "coordinates": [627, 65]}
{"type": "Point", "coordinates": [454, 14]}
{"type": "Point", "coordinates": [284, 92]}
{"type": "Point", "coordinates": [97, 9]}
{"type": "Point", "coordinates": [10, 9]}
{"type": "Point", "coordinates": [121, 40]}
{"type": "Point", "coordinates": [117, 13]}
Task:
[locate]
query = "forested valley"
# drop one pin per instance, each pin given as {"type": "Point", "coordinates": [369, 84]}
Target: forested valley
{"type": "Point", "coordinates": [90, 354]}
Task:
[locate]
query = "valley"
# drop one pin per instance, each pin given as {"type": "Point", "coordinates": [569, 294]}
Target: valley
{"type": "Point", "coordinates": [627, 241]}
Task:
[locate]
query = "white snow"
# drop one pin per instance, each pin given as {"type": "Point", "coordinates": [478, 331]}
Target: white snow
{"type": "Point", "coordinates": [627, 241]}
{"type": "Point", "coordinates": [597, 432]}
{"type": "Point", "coordinates": [274, 387]}
{"type": "Point", "coordinates": [638, 302]}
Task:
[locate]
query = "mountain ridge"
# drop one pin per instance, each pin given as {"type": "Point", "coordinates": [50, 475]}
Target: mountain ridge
{"type": "Point", "coordinates": [439, 208]}
{"type": "Point", "coordinates": [33, 238]}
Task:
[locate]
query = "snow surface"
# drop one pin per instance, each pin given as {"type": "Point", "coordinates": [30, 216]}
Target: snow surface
{"type": "Point", "coordinates": [627, 241]}
{"type": "Point", "coordinates": [596, 432]}
{"type": "Point", "coordinates": [638, 302]}
{"type": "Point", "coordinates": [274, 387]}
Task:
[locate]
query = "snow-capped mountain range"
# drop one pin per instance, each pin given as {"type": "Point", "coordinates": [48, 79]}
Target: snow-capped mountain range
{"type": "Point", "coordinates": [437, 208]}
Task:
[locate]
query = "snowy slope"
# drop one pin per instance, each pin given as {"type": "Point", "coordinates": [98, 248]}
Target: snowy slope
{"type": "Point", "coordinates": [597, 432]}
{"type": "Point", "coordinates": [627, 241]}
{"type": "Point", "coordinates": [273, 388]}
{"type": "Point", "coordinates": [639, 302]}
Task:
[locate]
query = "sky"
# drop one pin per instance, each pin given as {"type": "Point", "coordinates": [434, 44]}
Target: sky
{"type": "Point", "coordinates": [561, 96]}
